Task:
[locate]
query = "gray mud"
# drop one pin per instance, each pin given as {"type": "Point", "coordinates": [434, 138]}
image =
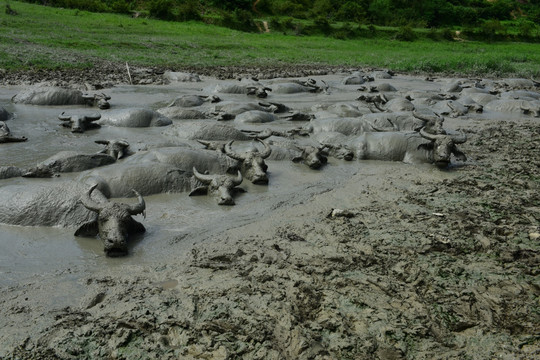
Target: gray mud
{"type": "Point", "coordinates": [424, 264]}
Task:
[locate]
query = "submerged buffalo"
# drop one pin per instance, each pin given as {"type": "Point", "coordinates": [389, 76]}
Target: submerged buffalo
{"type": "Point", "coordinates": [114, 222]}
{"type": "Point", "coordinates": [408, 147]}
{"type": "Point", "coordinates": [71, 204]}
{"type": "Point", "coordinates": [135, 117]}
{"type": "Point", "coordinates": [221, 186]}
{"type": "Point", "coordinates": [68, 161]}
{"type": "Point", "coordinates": [54, 95]}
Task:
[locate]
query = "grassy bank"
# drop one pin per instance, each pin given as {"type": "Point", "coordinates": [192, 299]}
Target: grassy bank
{"type": "Point", "coordinates": [52, 38]}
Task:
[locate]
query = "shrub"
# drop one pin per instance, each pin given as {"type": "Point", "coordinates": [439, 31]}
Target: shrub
{"type": "Point", "coordinates": [239, 20]}
{"type": "Point", "coordinates": [161, 9]}
{"type": "Point", "coordinates": [188, 10]}
{"type": "Point", "coordinates": [405, 33]}
{"type": "Point", "coordinates": [351, 11]}
{"type": "Point", "coordinates": [322, 25]}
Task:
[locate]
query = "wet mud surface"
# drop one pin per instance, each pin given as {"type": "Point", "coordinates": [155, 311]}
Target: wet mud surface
{"type": "Point", "coordinates": [357, 260]}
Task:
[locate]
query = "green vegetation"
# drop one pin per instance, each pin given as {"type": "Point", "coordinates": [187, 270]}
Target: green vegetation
{"type": "Point", "coordinates": [48, 38]}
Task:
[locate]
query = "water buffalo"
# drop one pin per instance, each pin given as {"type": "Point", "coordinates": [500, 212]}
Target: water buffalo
{"type": "Point", "coordinates": [181, 76]}
{"type": "Point", "coordinates": [298, 86]}
{"type": "Point", "coordinates": [49, 95]}
{"type": "Point", "coordinates": [341, 109]}
{"type": "Point", "coordinates": [408, 147]}
{"type": "Point", "coordinates": [194, 100]}
{"type": "Point", "coordinates": [245, 86]}
{"type": "Point", "coordinates": [116, 148]}
{"type": "Point", "coordinates": [5, 135]}
{"type": "Point", "coordinates": [206, 131]}
{"type": "Point", "coordinates": [80, 123]}
{"type": "Point", "coordinates": [252, 163]}
{"type": "Point", "coordinates": [99, 100]}
{"type": "Point", "coordinates": [149, 178]}
{"type": "Point", "coordinates": [68, 161]}
{"type": "Point", "coordinates": [513, 106]}
{"type": "Point", "coordinates": [157, 171]}
{"type": "Point", "coordinates": [7, 172]}
{"type": "Point", "coordinates": [181, 113]}
{"type": "Point", "coordinates": [46, 204]}
{"type": "Point", "coordinates": [346, 126]}
{"type": "Point", "coordinates": [220, 186]}
{"type": "Point", "coordinates": [254, 117]}
{"type": "Point", "coordinates": [135, 117]}
{"type": "Point", "coordinates": [114, 222]}
{"type": "Point", "coordinates": [313, 156]}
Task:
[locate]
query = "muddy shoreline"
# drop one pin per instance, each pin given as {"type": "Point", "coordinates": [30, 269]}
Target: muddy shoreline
{"type": "Point", "coordinates": [417, 263]}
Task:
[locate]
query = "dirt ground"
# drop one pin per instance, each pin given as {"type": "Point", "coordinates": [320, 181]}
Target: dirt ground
{"type": "Point", "coordinates": [419, 263]}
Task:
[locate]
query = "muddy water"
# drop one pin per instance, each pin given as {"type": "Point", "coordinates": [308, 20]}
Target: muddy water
{"type": "Point", "coordinates": [173, 220]}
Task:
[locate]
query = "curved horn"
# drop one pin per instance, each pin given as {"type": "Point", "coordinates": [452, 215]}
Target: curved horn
{"type": "Point", "coordinates": [102, 142]}
{"type": "Point", "coordinates": [204, 142]}
{"type": "Point", "coordinates": [238, 179]}
{"type": "Point", "coordinates": [459, 139]}
{"type": "Point", "coordinates": [376, 104]}
{"type": "Point", "coordinates": [535, 82]}
{"type": "Point", "coordinates": [138, 208]}
{"type": "Point", "coordinates": [429, 136]}
{"type": "Point", "coordinates": [207, 179]}
{"type": "Point", "coordinates": [386, 129]}
{"type": "Point", "coordinates": [231, 153]}
{"type": "Point", "coordinates": [90, 204]}
{"type": "Point", "coordinates": [123, 143]}
{"type": "Point", "coordinates": [267, 149]}
{"type": "Point", "coordinates": [93, 117]}
{"type": "Point", "coordinates": [423, 117]}
{"type": "Point", "coordinates": [64, 117]}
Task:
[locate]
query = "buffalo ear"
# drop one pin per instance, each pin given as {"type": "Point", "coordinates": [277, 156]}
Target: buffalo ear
{"type": "Point", "coordinates": [201, 190]}
{"type": "Point", "coordinates": [428, 146]}
{"type": "Point", "coordinates": [297, 159]}
{"type": "Point", "coordinates": [239, 190]}
{"type": "Point", "coordinates": [136, 227]}
{"type": "Point", "coordinates": [88, 229]}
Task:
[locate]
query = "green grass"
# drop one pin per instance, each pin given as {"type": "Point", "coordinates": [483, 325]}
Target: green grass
{"type": "Point", "coordinates": [52, 38]}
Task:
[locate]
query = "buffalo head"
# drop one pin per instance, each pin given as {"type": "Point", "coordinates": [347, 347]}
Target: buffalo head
{"type": "Point", "coordinates": [114, 222]}
{"type": "Point", "coordinates": [443, 146]}
{"type": "Point", "coordinates": [432, 123]}
{"type": "Point", "coordinates": [221, 186]}
{"type": "Point", "coordinates": [259, 91]}
{"type": "Point", "coordinates": [99, 100]}
{"type": "Point", "coordinates": [312, 156]}
{"type": "Point", "coordinates": [115, 148]}
{"type": "Point", "coordinates": [79, 123]}
{"type": "Point", "coordinates": [252, 162]}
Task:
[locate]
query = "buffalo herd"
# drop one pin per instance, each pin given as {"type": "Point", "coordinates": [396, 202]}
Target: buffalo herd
{"type": "Point", "coordinates": [214, 138]}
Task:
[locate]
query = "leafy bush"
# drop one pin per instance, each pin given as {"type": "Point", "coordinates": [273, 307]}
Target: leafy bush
{"type": "Point", "coordinates": [351, 11]}
{"type": "Point", "coordinates": [188, 10]}
{"type": "Point", "coordinates": [239, 20]}
{"type": "Point", "coordinates": [322, 25]}
{"type": "Point", "coordinates": [161, 9]}
{"type": "Point", "coordinates": [405, 33]}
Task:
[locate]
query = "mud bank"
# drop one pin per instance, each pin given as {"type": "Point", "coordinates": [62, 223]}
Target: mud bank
{"type": "Point", "coordinates": [383, 260]}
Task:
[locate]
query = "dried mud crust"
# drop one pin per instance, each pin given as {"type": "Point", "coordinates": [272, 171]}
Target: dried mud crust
{"type": "Point", "coordinates": [448, 270]}
{"type": "Point", "coordinates": [106, 74]}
